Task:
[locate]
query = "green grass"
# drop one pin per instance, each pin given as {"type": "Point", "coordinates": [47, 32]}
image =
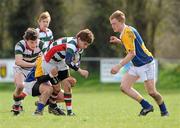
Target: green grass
{"type": "Point", "coordinates": [99, 106]}
{"type": "Point", "coordinates": [169, 76]}
{"type": "Point", "coordinates": [96, 106]}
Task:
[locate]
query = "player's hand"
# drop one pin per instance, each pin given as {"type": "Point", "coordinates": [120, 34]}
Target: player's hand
{"type": "Point", "coordinates": [54, 71]}
{"type": "Point", "coordinates": [83, 73]}
{"type": "Point", "coordinates": [34, 64]}
{"type": "Point", "coordinates": [115, 40]}
{"type": "Point", "coordinates": [72, 81]}
{"type": "Point", "coordinates": [115, 69]}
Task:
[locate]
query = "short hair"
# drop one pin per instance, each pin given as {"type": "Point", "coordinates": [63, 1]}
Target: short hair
{"type": "Point", "coordinates": [44, 15]}
{"type": "Point", "coordinates": [86, 35]}
{"type": "Point", "coordinates": [30, 34]}
{"type": "Point", "coordinates": [119, 15]}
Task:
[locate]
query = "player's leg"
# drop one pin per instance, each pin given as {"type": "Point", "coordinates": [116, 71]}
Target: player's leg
{"type": "Point", "coordinates": [19, 82]}
{"type": "Point", "coordinates": [126, 86]}
{"type": "Point", "coordinates": [52, 102]}
{"type": "Point", "coordinates": [67, 82]}
{"type": "Point", "coordinates": [48, 69]}
{"type": "Point", "coordinates": [60, 97]}
{"type": "Point", "coordinates": [67, 96]}
{"type": "Point", "coordinates": [45, 91]}
{"type": "Point", "coordinates": [149, 76]}
{"type": "Point", "coordinates": [151, 89]}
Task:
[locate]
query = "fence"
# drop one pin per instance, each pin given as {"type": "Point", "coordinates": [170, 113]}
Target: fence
{"type": "Point", "coordinates": [98, 65]}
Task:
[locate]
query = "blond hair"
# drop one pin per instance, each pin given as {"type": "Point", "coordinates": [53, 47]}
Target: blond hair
{"type": "Point", "coordinates": [119, 15]}
{"type": "Point", "coordinates": [44, 15]}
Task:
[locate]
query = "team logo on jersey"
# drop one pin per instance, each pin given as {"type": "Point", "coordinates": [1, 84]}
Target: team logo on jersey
{"type": "Point", "coordinates": [3, 70]}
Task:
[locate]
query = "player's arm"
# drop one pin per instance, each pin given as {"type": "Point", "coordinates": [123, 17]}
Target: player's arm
{"type": "Point", "coordinates": [69, 58]}
{"type": "Point", "coordinates": [130, 42]}
{"type": "Point", "coordinates": [127, 58]}
{"type": "Point", "coordinates": [20, 62]}
{"type": "Point", "coordinates": [54, 50]}
{"type": "Point", "coordinates": [115, 40]}
{"type": "Point", "coordinates": [71, 64]}
{"type": "Point", "coordinates": [124, 61]}
{"type": "Point", "coordinates": [19, 49]}
{"type": "Point", "coordinates": [131, 52]}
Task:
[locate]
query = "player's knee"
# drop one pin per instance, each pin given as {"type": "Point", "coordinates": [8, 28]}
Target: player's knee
{"type": "Point", "coordinates": [123, 88]}
{"type": "Point", "coordinates": [49, 91]}
{"type": "Point", "coordinates": [20, 86]}
{"type": "Point", "coordinates": [152, 94]}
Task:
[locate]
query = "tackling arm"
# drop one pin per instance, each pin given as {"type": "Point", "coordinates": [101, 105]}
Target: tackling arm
{"type": "Point", "coordinates": [20, 62]}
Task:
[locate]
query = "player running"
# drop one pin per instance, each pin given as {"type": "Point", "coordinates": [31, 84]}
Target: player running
{"type": "Point", "coordinates": [143, 64]}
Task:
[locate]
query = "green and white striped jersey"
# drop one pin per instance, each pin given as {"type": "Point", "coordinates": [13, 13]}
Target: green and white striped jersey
{"type": "Point", "coordinates": [28, 55]}
{"type": "Point", "coordinates": [65, 48]}
{"type": "Point", "coordinates": [63, 44]}
{"type": "Point", "coordinates": [45, 36]}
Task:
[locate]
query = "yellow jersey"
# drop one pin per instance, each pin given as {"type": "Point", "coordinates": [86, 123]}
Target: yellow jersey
{"type": "Point", "coordinates": [132, 41]}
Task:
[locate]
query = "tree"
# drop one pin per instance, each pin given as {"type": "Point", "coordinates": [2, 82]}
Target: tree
{"type": "Point", "coordinates": [6, 8]}
{"type": "Point", "coordinates": [22, 18]}
{"type": "Point", "coordinates": [56, 10]}
{"type": "Point", "coordinates": [99, 23]}
{"type": "Point", "coordinates": [167, 35]}
{"type": "Point", "coordinates": [146, 16]}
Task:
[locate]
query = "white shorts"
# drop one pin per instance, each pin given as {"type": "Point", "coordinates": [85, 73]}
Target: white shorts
{"type": "Point", "coordinates": [18, 69]}
{"type": "Point", "coordinates": [28, 87]}
{"type": "Point", "coordinates": [145, 72]}
{"type": "Point", "coordinates": [47, 67]}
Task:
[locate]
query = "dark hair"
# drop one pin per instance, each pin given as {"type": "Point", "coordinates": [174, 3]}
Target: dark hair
{"type": "Point", "coordinates": [30, 34]}
{"type": "Point", "coordinates": [86, 35]}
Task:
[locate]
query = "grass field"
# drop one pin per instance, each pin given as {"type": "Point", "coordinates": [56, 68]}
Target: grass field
{"type": "Point", "coordinates": [100, 106]}
{"type": "Point", "coordinates": [97, 106]}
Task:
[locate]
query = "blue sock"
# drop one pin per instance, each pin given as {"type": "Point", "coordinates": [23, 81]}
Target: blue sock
{"type": "Point", "coordinates": [145, 104]}
{"type": "Point", "coordinates": [40, 107]}
{"type": "Point", "coordinates": [163, 107]}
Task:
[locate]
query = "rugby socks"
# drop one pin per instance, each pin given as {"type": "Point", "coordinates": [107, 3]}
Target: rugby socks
{"type": "Point", "coordinates": [163, 108]}
{"type": "Point", "coordinates": [17, 99]}
{"type": "Point", "coordinates": [68, 102]}
{"type": "Point", "coordinates": [40, 107]}
{"type": "Point", "coordinates": [145, 104]}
